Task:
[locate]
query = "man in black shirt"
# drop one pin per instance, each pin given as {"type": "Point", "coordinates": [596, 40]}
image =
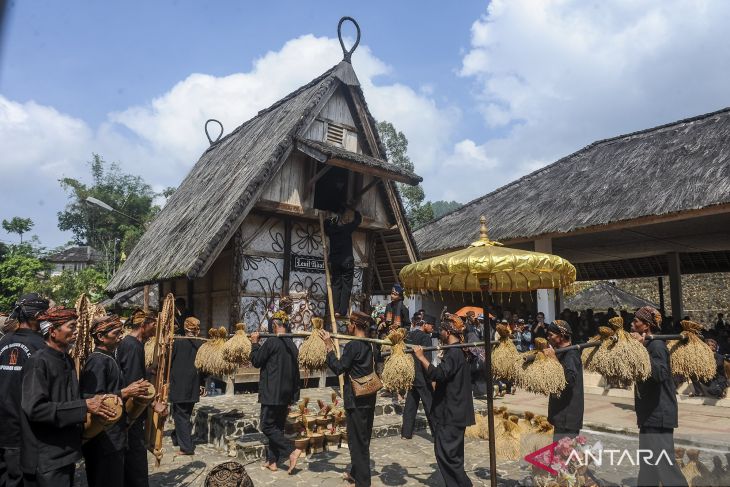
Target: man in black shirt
{"type": "Point", "coordinates": [453, 406]}
{"type": "Point", "coordinates": [278, 388]}
{"type": "Point", "coordinates": [130, 356]}
{"type": "Point", "coordinates": [53, 411]}
{"type": "Point", "coordinates": [16, 348]}
{"type": "Point", "coordinates": [104, 454]}
{"type": "Point", "coordinates": [565, 410]}
{"type": "Point", "coordinates": [185, 385]}
{"type": "Point", "coordinates": [342, 263]}
{"type": "Point", "coordinates": [396, 312]}
{"type": "Point", "coordinates": [655, 402]}
{"type": "Point", "coordinates": [421, 390]}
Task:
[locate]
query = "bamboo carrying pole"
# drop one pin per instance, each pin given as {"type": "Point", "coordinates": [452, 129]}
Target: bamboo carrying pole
{"type": "Point", "coordinates": [330, 303]}
{"type": "Point", "coordinates": [443, 347]}
{"type": "Point", "coordinates": [579, 346]}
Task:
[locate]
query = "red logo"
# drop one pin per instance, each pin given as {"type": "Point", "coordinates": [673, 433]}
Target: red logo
{"type": "Point", "coordinates": [14, 357]}
{"type": "Point", "coordinates": [543, 458]}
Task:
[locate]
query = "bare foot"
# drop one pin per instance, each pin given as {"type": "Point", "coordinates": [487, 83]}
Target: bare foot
{"type": "Point", "coordinates": [269, 466]}
{"type": "Point", "coordinates": [293, 458]}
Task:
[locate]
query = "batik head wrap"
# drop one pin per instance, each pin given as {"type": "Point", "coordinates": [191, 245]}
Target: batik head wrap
{"type": "Point", "coordinates": [650, 316]}
{"type": "Point", "coordinates": [361, 320]}
{"type": "Point", "coordinates": [453, 325]}
{"type": "Point", "coordinates": [55, 317]}
{"type": "Point", "coordinates": [192, 325]}
{"type": "Point", "coordinates": [561, 328]}
{"type": "Point", "coordinates": [28, 307]}
{"type": "Point", "coordinates": [105, 324]}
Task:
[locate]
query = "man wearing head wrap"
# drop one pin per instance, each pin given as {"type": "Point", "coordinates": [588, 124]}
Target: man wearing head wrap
{"type": "Point", "coordinates": [130, 356]}
{"type": "Point", "coordinates": [278, 388]}
{"type": "Point", "coordinates": [453, 407]}
{"type": "Point", "coordinates": [565, 410]}
{"type": "Point", "coordinates": [185, 385]}
{"type": "Point", "coordinates": [104, 454]}
{"type": "Point", "coordinates": [357, 360]}
{"type": "Point", "coordinates": [396, 312]}
{"type": "Point", "coordinates": [422, 391]}
{"type": "Point", "coordinates": [53, 411]}
{"type": "Point", "coordinates": [16, 349]}
{"type": "Point", "coordinates": [655, 402]}
{"type": "Point", "coordinates": [342, 263]}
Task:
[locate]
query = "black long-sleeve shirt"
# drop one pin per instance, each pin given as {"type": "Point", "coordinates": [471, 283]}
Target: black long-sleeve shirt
{"type": "Point", "coordinates": [655, 399]}
{"type": "Point", "coordinates": [452, 401]}
{"type": "Point", "coordinates": [184, 377]}
{"type": "Point", "coordinates": [53, 412]}
{"type": "Point", "coordinates": [565, 410]}
{"type": "Point", "coordinates": [279, 375]}
{"type": "Point", "coordinates": [15, 350]}
{"type": "Point", "coordinates": [356, 361]}
{"type": "Point", "coordinates": [397, 312]}
{"type": "Point", "coordinates": [102, 375]}
{"type": "Point", "coordinates": [130, 357]}
{"type": "Point", "coordinates": [341, 239]}
{"type": "Point", "coordinates": [419, 337]}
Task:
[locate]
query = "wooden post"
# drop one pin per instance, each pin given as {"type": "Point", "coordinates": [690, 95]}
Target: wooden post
{"type": "Point", "coordinates": [675, 286]}
{"type": "Point", "coordinates": [330, 303]}
{"type": "Point", "coordinates": [286, 272]}
{"type": "Point", "coordinates": [146, 298]}
{"type": "Point", "coordinates": [662, 306]}
{"type": "Point", "coordinates": [490, 390]}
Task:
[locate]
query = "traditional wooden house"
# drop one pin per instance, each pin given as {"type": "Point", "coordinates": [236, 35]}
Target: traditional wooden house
{"type": "Point", "coordinates": [243, 228]}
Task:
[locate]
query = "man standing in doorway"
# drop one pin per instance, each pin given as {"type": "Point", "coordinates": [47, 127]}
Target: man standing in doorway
{"type": "Point", "coordinates": [342, 263]}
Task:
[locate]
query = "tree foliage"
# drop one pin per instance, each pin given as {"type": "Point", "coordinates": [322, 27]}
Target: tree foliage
{"type": "Point", "coordinates": [440, 208]}
{"type": "Point", "coordinates": [396, 148]}
{"type": "Point", "coordinates": [20, 272]}
{"type": "Point", "coordinates": [109, 232]}
{"type": "Point", "coordinates": [18, 225]}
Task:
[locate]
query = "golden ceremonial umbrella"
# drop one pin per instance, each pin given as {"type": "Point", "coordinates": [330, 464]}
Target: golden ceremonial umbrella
{"type": "Point", "coordinates": [488, 266]}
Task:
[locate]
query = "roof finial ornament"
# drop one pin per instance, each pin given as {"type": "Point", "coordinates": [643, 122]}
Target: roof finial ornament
{"type": "Point", "coordinates": [347, 55]}
{"type": "Point", "coordinates": [208, 134]}
{"type": "Point", "coordinates": [483, 235]}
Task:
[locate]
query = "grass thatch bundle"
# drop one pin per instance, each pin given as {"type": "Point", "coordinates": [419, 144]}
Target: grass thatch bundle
{"type": "Point", "coordinates": [209, 358]}
{"type": "Point", "coordinates": [596, 355]}
{"type": "Point", "coordinates": [507, 441]}
{"type": "Point", "coordinates": [625, 360]}
{"type": "Point", "coordinates": [695, 472]}
{"type": "Point", "coordinates": [543, 375]}
{"type": "Point", "coordinates": [313, 352]}
{"type": "Point", "coordinates": [237, 349]}
{"type": "Point", "coordinates": [692, 358]}
{"type": "Point", "coordinates": [504, 355]}
{"type": "Point", "coordinates": [399, 369]}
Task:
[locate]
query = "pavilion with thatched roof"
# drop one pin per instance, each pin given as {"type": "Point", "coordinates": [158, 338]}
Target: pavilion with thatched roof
{"type": "Point", "coordinates": [650, 203]}
{"type": "Point", "coordinates": [242, 229]}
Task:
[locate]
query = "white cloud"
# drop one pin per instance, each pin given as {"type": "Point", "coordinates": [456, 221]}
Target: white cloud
{"type": "Point", "coordinates": [552, 76]}
{"type": "Point", "coordinates": [163, 138]}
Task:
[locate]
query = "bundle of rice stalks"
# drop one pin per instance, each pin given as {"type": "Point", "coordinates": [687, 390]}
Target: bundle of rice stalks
{"type": "Point", "coordinates": [209, 358]}
{"type": "Point", "coordinates": [313, 352]}
{"type": "Point", "coordinates": [525, 423]}
{"type": "Point", "coordinates": [399, 369]}
{"type": "Point", "coordinates": [507, 442]}
{"type": "Point", "coordinates": [543, 375]}
{"type": "Point", "coordinates": [237, 349]}
{"type": "Point", "coordinates": [499, 420]}
{"type": "Point", "coordinates": [596, 355]}
{"type": "Point", "coordinates": [540, 437]}
{"type": "Point", "coordinates": [504, 356]}
{"type": "Point", "coordinates": [695, 472]}
{"type": "Point", "coordinates": [679, 457]}
{"type": "Point", "coordinates": [626, 360]}
{"type": "Point", "coordinates": [475, 431]}
{"type": "Point", "coordinates": [692, 358]}
{"type": "Point", "coordinates": [149, 351]}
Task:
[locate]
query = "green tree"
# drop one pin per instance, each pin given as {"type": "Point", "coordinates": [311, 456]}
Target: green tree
{"type": "Point", "coordinates": [18, 225]}
{"type": "Point", "coordinates": [107, 231]}
{"type": "Point", "coordinates": [66, 287]}
{"type": "Point", "coordinates": [440, 208]}
{"type": "Point", "coordinates": [21, 271]}
{"type": "Point", "coordinates": [396, 148]}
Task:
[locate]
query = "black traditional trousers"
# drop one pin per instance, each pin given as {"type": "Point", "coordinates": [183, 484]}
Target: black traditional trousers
{"type": "Point", "coordinates": [182, 436]}
{"type": "Point", "coordinates": [273, 419]}
{"type": "Point", "coordinates": [359, 430]}
{"type": "Point", "coordinates": [665, 472]}
{"type": "Point", "coordinates": [11, 475]}
{"type": "Point", "coordinates": [415, 395]}
{"type": "Point", "coordinates": [62, 477]}
{"type": "Point", "coordinates": [560, 433]}
{"type": "Point", "coordinates": [103, 469]}
{"type": "Point", "coordinates": [449, 449]}
{"type": "Point", "coordinates": [135, 457]}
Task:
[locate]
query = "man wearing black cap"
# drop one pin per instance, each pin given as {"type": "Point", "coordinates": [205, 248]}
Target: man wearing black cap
{"type": "Point", "coordinates": [565, 410]}
{"type": "Point", "coordinates": [421, 390]}
{"type": "Point", "coordinates": [655, 402]}
{"type": "Point", "coordinates": [15, 350]}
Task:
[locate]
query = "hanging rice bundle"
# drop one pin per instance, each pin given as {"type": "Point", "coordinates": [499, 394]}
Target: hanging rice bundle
{"type": "Point", "coordinates": [593, 358]}
{"type": "Point", "coordinates": [209, 358]}
{"type": "Point", "coordinates": [508, 442]}
{"type": "Point", "coordinates": [399, 369]}
{"type": "Point", "coordinates": [543, 375]}
{"type": "Point", "coordinates": [695, 472]}
{"type": "Point", "coordinates": [504, 356]}
{"type": "Point", "coordinates": [626, 359]}
{"type": "Point", "coordinates": [692, 358]}
{"type": "Point", "coordinates": [237, 349]}
{"type": "Point", "coordinates": [313, 352]}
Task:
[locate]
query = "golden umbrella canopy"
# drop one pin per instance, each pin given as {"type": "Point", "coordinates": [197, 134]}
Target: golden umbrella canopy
{"type": "Point", "coordinates": [488, 266]}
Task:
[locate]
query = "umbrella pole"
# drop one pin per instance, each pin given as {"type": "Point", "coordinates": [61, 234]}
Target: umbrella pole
{"type": "Point", "coordinates": [490, 394]}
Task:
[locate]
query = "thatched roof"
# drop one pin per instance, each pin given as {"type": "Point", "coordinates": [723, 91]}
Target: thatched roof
{"type": "Point", "coordinates": [668, 169]}
{"type": "Point", "coordinates": [220, 190]}
{"type": "Point", "coordinates": [604, 295]}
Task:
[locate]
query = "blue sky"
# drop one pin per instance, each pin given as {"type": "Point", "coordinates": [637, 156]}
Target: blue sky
{"type": "Point", "coordinates": [485, 92]}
